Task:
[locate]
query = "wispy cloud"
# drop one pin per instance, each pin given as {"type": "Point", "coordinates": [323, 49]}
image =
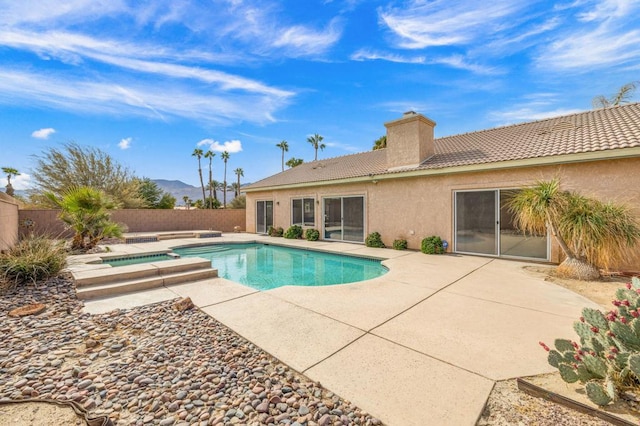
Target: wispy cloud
{"type": "Point", "coordinates": [138, 98]}
{"type": "Point", "coordinates": [370, 55]}
{"type": "Point", "coordinates": [43, 133]}
{"type": "Point", "coordinates": [603, 33]}
{"type": "Point", "coordinates": [125, 143]}
{"type": "Point", "coordinates": [231, 146]}
{"type": "Point", "coordinates": [535, 106]}
{"type": "Point", "coordinates": [423, 24]}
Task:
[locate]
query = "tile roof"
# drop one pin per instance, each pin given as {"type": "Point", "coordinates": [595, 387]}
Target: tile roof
{"type": "Point", "coordinates": [596, 130]}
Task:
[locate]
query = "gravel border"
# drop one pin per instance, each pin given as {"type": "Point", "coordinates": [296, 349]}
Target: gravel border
{"type": "Point", "coordinates": [154, 365]}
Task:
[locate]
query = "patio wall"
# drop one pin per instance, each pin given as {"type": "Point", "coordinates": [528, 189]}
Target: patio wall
{"type": "Point", "coordinates": [8, 222]}
{"type": "Point", "coordinates": [146, 220]}
{"type": "Point", "coordinates": [414, 208]}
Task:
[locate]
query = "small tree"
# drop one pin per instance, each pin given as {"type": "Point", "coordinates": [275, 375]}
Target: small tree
{"type": "Point", "coordinates": [154, 196]}
{"type": "Point", "coordinates": [380, 143]}
{"type": "Point", "coordinates": [10, 171]}
{"type": "Point", "coordinates": [239, 172]}
{"type": "Point", "coordinates": [85, 211]}
{"type": "Point", "coordinates": [590, 233]}
{"type": "Point", "coordinates": [72, 166]}
{"type": "Point", "coordinates": [293, 162]}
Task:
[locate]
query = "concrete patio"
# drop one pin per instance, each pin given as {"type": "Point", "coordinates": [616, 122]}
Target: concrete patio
{"type": "Point", "coordinates": [420, 345]}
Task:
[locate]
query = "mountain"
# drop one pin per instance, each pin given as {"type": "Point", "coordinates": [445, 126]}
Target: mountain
{"type": "Point", "coordinates": [179, 189]}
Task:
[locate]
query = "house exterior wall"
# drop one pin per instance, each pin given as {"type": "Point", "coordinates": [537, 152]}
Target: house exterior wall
{"type": "Point", "coordinates": [146, 220]}
{"type": "Point", "coordinates": [8, 222]}
{"type": "Point", "coordinates": [414, 208]}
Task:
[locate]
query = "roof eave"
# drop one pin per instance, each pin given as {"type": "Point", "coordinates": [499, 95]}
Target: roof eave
{"type": "Point", "coordinates": [582, 157]}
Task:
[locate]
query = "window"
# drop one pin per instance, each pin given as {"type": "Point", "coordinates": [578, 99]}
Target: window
{"type": "Point", "coordinates": [303, 212]}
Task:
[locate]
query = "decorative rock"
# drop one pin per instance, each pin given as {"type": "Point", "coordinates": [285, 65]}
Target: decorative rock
{"type": "Point", "coordinates": [183, 304]}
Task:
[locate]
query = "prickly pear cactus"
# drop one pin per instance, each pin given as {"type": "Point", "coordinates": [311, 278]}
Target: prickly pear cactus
{"type": "Point", "coordinates": [597, 394]}
{"type": "Point", "coordinates": [608, 356]}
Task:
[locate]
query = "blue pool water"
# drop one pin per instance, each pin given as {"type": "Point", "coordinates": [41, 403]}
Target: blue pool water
{"type": "Point", "coordinates": [134, 260]}
{"type": "Point", "coordinates": [264, 267]}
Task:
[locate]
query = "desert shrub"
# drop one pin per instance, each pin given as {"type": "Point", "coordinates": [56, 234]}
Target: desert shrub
{"type": "Point", "coordinates": [374, 240]}
{"type": "Point", "coordinates": [33, 259]}
{"type": "Point", "coordinates": [432, 245]}
{"type": "Point", "coordinates": [312, 234]}
{"type": "Point", "coordinates": [607, 360]}
{"type": "Point", "coordinates": [294, 232]}
{"type": "Point", "coordinates": [275, 232]}
{"type": "Point", "coordinates": [400, 244]}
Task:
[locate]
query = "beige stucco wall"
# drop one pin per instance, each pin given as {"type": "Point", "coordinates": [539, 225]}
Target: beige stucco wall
{"type": "Point", "coordinates": [8, 222]}
{"type": "Point", "coordinates": [414, 208]}
{"type": "Point", "coordinates": [147, 220]}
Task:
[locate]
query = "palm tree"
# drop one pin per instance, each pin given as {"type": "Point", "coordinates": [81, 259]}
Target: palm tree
{"type": "Point", "coordinates": [380, 143]}
{"type": "Point", "coordinates": [239, 172]}
{"type": "Point", "coordinates": [225, 157]}
{"type": "Point", "coordinates": [293, 162]}
{"type": "Point", "coordinates": [214, 185]}
{"type": "Point", "coordinates": [85, 211]}
{"type": "Point", "coordinates": [198, 153]}
{"type": "Point", "coordinates": [210, 154]}
{"type": "Point", "coordinates": [624, 95]}
{"type": "Point", "coordinates": [284, 146]}
{"type": "Point", "coordinates": [590, 233]}
{"type": "Point", "coordinates": [316, 142]}
{"type": "Point", "coordinates": [10, 171]}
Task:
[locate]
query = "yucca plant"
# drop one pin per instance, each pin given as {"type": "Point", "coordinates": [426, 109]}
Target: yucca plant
{"type": "Point", "coordinates": [592, 234]}
{"type": "Point", "coordinates": [33, 259]}
{"type": "Point", "coordinates": [85, 211]}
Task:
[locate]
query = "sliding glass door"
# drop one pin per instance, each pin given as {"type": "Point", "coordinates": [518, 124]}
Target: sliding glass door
{"type": "Point", "coordinates": [344, 218]}
{"type": "Point", "coordinates": [484, 225]}
{"type": "Point", "coordinates": [264, 216]}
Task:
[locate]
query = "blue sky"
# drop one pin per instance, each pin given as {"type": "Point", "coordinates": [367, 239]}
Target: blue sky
{"type": "Point", "coordinates": [147, 81]}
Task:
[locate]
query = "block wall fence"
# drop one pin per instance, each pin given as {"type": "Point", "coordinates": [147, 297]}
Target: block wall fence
{"type": "Point", "coordinates": [8, 222]}
{"type": "Point", "coordinates": [140, 220]}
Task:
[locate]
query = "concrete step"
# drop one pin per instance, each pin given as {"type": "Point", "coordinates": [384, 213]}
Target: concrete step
{"type": "Point", "coordinates": [138, 271]}
{"type": "Point", "coordinates": [127, 286]}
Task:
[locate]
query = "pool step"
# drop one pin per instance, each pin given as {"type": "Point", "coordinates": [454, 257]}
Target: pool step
{"type": "Point", "coordinates": [124, 279]}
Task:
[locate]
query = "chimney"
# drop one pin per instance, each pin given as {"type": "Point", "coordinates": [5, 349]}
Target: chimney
{"type": "Point", "coordinates": [409, 140]}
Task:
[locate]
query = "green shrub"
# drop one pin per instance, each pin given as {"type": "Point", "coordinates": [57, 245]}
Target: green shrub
{"type": "Point", "coordinates": [312, 234]}
{"type": "Point", "coordinates": [607, 360]}
{"type": "Point", "coordinates": [33, 259]}
{"type": "Point", "coordinates": [294, 232]}
{"type": "Point", "coordinates": [400, 244]}
{"type": "Point", "coordinates": [275, 232]}
{"type": "Point", "coordinates": [374, 240]}
{"type": "Point", "coordinates": [432, 245]}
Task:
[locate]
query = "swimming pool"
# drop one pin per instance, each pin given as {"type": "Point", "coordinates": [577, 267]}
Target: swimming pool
{"type": "Point", "coordinates": [265, 267]}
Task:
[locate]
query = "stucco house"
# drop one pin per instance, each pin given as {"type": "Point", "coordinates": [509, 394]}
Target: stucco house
{"type": "Point", "coordinates": [455, 186]}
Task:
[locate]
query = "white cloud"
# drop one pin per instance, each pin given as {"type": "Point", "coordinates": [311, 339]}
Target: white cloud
{"type": "Point", "coordinates": [138, 98]}
{"type": "Point", "coordinates": [423, 24]}
{"type": "Point", "coordinates": [369, 55]}
{"type": "Point", "coordinates": [43, 133]}
{"type": "Point", "coordinates": [125, 143]}
{"type": "Point", "coordinates": [303, 41]}
{"type": "Point", "coordinates": [606, 34]}
{"type": "Point", "coordinates": [529, 112]}
{"type": "Point", "coordinates": [22, 181]}
{"type": "Point", "coordinates": [231, 146]}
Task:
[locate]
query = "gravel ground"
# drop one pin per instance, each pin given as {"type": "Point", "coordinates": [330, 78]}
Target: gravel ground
{"type": "Point", "coordinates": [157, 365]}
{"type": "Point", "coordinates": [153, 365]}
